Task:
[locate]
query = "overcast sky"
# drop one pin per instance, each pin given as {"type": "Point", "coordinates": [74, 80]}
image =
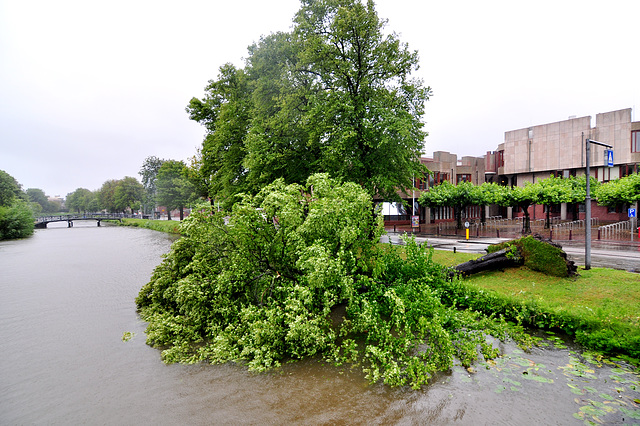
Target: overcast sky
{"type": "Point", "coordinates": [89, 89]}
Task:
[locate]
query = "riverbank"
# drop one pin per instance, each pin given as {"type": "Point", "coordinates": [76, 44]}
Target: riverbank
{"type": "Point", "coordinates": [600, 307]}
{"type": "Point", "coordinates": [168, 226]}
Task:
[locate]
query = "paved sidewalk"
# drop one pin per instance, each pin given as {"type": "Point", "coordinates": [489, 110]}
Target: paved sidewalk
{"type": "Point", "coordinates": [614, 255]}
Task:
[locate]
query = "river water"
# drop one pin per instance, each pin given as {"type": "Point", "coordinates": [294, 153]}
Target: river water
{"type": "Point", "coordinates": [67, 298]}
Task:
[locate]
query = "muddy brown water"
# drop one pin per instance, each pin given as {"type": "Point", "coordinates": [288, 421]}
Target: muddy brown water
{"type": "Point", "coordinates": [67, 297]}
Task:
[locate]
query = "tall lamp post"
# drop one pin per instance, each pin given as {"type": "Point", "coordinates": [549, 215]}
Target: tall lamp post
{"type": "Point", "coordinates": [587, 201]}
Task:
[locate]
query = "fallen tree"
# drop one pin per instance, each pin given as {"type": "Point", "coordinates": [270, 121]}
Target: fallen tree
{"type": "Point", "coordinates": [534, 252]}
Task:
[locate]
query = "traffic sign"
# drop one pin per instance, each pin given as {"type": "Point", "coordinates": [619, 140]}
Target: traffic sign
{"type": "Point", "coordinates": [609, 158]}
{"type": "Point", "coordinates": [632, 212]}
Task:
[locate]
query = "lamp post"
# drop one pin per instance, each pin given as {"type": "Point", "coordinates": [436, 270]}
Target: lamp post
{"type": "Point", "coordinates": [587, 201]}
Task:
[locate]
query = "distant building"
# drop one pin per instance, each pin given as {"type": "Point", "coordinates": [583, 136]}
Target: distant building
{"type": "Point", "coordinates": [529, 155]}
{"type": "Point", "coordinates": [558, 149]}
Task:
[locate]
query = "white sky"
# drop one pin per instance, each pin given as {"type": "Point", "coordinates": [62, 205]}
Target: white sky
{"type": "Point", "coordinates": [89, 89]}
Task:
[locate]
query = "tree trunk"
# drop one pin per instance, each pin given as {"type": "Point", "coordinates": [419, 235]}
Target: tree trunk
{"type": "Point", "coordinates": [547, 223]}
{"type": "Point", "coordinates": [497, 260]}
{"type": "Point", "coordinates": [526, 223]}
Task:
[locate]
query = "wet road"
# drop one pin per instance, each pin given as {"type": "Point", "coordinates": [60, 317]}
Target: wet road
{"type": "Point", "coordinates": [606, 255]}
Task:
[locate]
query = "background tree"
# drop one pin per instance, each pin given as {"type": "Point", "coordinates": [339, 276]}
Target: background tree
{"type": "Point", "coordinates": [553, 191]}
{"type": "Point", "coordinates": [107, 194]}
{"type": "Point", "coordinates": [128, 194]}
{"type": "Point", "coordinates": [520, 197]}
{"type": "Point", "coordinates": [37, 196]}
{"type": "Point", "coordinates": [619, 192]}
{"type": "Point", "coordinates": [149, 174]}
{"type": "Point", "coordinates": [82, 200]}
{"type": "Point", "coordinates": [174, 189]}
{"type": "Point", "coordinates": [10, 189]}
{"type": "Point", "coordinates": [489, 194]}
{"type": "Point", "coordinates": [459, 197]}
{"type": "Point", "coordinates": [16, 216]}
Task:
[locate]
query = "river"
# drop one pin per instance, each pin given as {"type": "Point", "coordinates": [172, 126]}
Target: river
{"type": "Point", "coordinates": [67, 298]}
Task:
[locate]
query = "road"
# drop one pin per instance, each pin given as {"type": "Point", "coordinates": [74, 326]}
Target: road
{"type": "Point", "coordinates": [606, 255]}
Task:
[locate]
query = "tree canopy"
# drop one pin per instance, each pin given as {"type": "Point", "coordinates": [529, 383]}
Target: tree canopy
{"type": "Point", "coordinates": [16, 216]}
{"type": "Point", "coordinates": [297, 271]}
{"type": "Point", "coordinates": [149, 174]}
{"type": "Point", "coordinates": [618, 192]}
{"type": "Point", "coordinates": [174, 189]}
{"type": "Point", "coordinates": [334, 95]}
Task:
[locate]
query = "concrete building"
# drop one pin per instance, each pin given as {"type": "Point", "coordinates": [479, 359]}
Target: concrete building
{"type": "Point", "coordinates": [558, 149]}
{"type": "Point", "coordinates": [529, 155]}
{"type": "Point", "coordinates": [444, 166]}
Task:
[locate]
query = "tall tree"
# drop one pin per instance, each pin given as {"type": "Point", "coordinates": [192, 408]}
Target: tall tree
{"type": "Point", "coordinates": [335, 95]}
{"type": "Point", "coordinates": [225, 114]}
{"type": "Point", "coordinates": [16, 216]}
{"type": "Point", "coordinates": [128, 194]}
{"type": "Point", "coordinates": [10, 189]}
{"type": "Point", "coordinates": [106, 195]}
{"type": "Point", "coordinates": [367, 109]}
{"type": "Point", "coordinates": [149, 173]}
{"type": "Point", "coordinates": [37, 196]}
{"type": "Point", "coordinates": [81, 200]}
{"type": "Point", "coordinates": [174, 189]}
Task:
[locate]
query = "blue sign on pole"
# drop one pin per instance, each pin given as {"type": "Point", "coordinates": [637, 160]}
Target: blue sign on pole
{"type": "Point", "coordinates": [610, 158]}
{"type": "Point", "coordinates": [632, 212]}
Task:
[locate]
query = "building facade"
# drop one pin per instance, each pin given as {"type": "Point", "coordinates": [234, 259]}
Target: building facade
{"type": "Point", "coordinates": [529, 155]}
{"type": "Point", "coordinates": [559, 149]}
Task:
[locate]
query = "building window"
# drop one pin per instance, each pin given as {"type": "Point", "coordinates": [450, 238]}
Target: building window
{"type": "Point", "coordinates": [463, 178]}
{"type": "Point", "coordinates": [500, 159]}
{"type": "Point", "coordinates": [635, 141]}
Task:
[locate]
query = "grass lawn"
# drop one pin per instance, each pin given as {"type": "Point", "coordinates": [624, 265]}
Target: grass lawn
{"type": "Point", "coordinates": [606, 295]}
{"type": "Point", "coordinates": [169, 226]}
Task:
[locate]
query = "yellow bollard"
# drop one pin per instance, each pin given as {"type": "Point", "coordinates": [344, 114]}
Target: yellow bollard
{"type": "Point", "coordinates": [467, 233]}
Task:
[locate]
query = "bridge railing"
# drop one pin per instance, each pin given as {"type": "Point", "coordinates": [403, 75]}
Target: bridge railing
{"type": "Point", "coordinates": [77, 216]}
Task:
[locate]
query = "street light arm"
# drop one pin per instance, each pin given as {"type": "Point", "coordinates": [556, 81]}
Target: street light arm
{"type": "Point", "coordinates": [599, 143]}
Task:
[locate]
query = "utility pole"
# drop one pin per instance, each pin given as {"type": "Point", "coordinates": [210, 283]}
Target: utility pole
{"type": "Point", "coordinates": [587, 201]}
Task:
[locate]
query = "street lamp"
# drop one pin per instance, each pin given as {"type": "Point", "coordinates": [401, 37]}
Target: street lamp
{"type": "Point", "coordinates": [587, 200]}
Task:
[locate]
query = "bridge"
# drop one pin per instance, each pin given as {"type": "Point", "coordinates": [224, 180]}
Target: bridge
{"type": "Point", "coordinates": [43, 221]}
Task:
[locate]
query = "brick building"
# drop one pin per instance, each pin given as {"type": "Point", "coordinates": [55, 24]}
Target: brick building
{"type": "Point", "coordinates": [531, 154]}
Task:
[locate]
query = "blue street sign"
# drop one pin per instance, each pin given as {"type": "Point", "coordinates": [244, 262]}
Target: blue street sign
{"type": "Point", "coordinates": [610, 158]}
{"type": "Point", "coordinates": [632, 212]}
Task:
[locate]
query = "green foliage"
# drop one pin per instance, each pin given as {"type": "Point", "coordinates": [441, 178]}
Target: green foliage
{"type": "Point", "coordinates": [333, 95]}
{"type": "Point", "coordinates": [619, 192]}
{"type": "Point", "coordinates": [297, 272]}
{"type": "Point", "coordinates": [174, 189]}
{"type": "Point", "coordinates": [149, 173]}
{"type": "Point", "coordinates": [170, 227]}
{"type": "Point", "coordinates": [10, 189]}
{"type": "Point", "coordinates": [128, 194]}
{"type": "Point", "coordinates": [37, 196]}
{"type": "Point", "coordinates": [82, 200]}
{"type": "Point", "coordinates": [538, 255]}
{"type": "Point", "coordinates": [458, 196]}
{"type": "Point", "coordinates": [16, 220]}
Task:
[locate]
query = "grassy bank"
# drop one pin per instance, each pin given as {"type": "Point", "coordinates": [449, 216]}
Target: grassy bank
{"type": "Point", "coordinates": [600, 307]}
{"type": "Point", "coordinates": [168, 226]}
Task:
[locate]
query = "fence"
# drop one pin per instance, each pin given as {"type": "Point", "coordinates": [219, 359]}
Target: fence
{"type": "Point", "coordinates": [571, 230]}
{"type": "Point", "coordinates": [617, 231]}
